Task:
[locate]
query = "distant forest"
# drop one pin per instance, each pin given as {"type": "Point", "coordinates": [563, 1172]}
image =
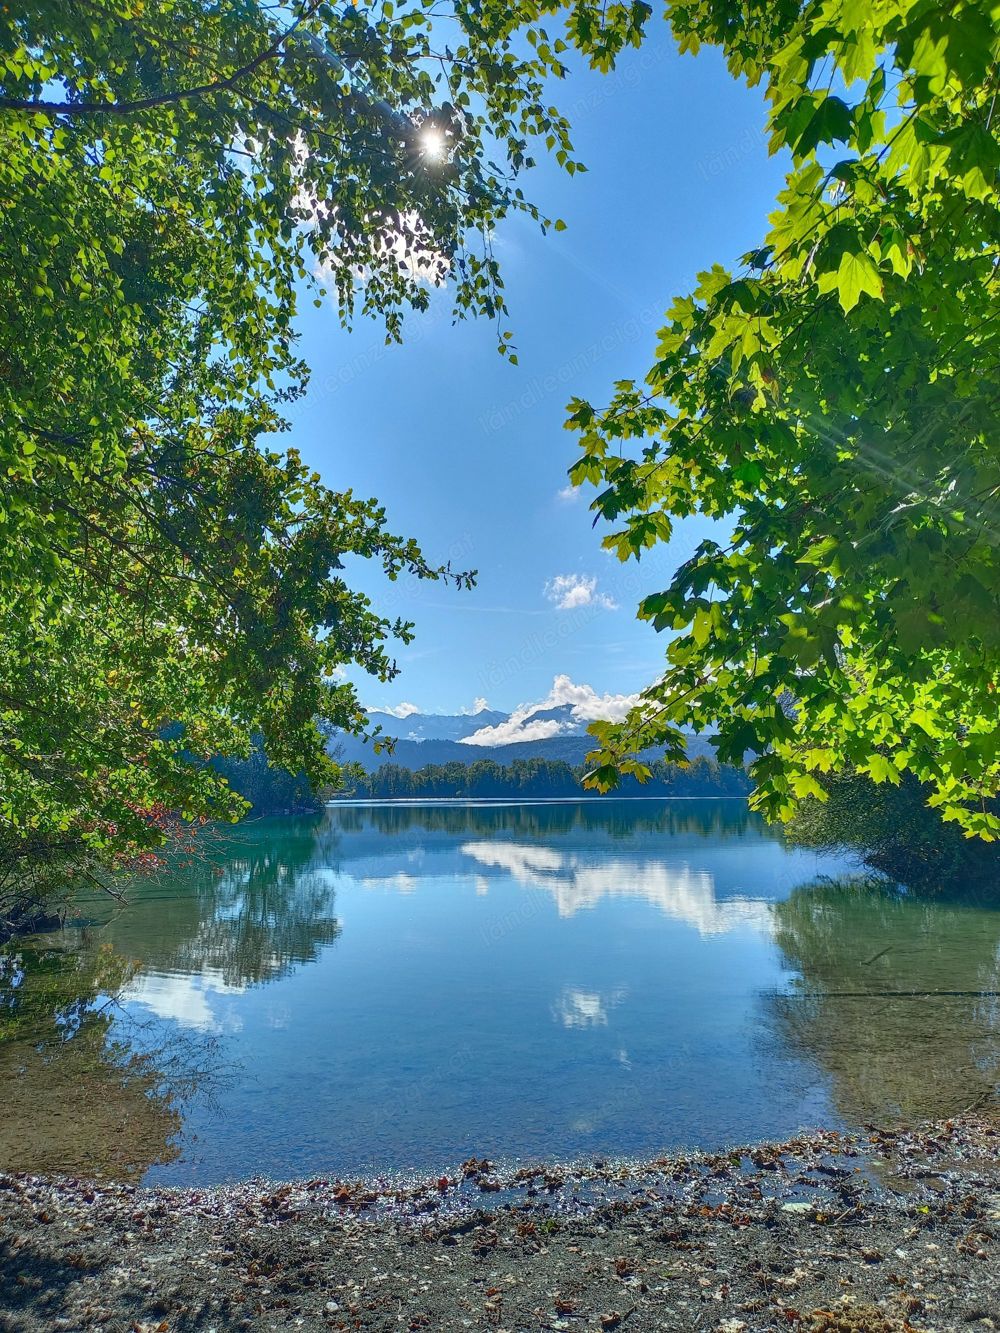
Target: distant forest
{"type": "Point", "coordinates": [543, 777]}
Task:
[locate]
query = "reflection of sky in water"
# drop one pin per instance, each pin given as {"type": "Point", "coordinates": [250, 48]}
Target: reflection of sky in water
{"type": "Point", "coordinates": [403, 988]}
{"type": "Point", "coordinates": [186, 998]}
{"type": "Point", "coordinates": [585, 1009]}
{"type": "Point", "coordinates": [677, 891]}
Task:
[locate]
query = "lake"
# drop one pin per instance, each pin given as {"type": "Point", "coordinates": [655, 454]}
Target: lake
{"type": "Point", "coordinates": [397, 987]}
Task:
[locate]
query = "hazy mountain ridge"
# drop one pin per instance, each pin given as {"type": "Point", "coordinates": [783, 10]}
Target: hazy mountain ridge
{"type": "Point", "coordinates": [432, 738]}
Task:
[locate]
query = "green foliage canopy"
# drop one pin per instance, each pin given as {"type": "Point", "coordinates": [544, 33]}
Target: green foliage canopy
{"type": "Point", "coordinates": [892, 831]}
{"type": "Point", "coordinates": [836, 398]}
{"type": "Point", "coordinates": [173, 177]}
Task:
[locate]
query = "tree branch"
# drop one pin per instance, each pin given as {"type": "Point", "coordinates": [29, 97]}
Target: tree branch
{"type": "Point", "coordinates": [162, 99]}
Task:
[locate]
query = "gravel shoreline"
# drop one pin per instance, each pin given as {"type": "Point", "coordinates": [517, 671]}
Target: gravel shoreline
{"type": "Point", "coordinates": [888, 1230]}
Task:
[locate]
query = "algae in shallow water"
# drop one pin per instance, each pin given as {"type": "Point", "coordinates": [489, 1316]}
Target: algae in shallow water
{"type": "Point", "coordinates": [74, 1100]}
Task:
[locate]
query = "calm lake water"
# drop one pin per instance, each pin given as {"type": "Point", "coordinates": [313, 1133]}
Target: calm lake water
{"type": "Point", "coordinates": [397, 987]}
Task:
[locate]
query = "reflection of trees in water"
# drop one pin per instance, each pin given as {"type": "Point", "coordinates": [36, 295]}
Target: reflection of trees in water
{"type": "Point", "coordinates": [269, 904]}
{"type": "Point", "coordinates": [73, 1098]}
{"type": "Point", "coordinates": [871, 961]}
{"type": "Point", "coordinates": [620, 819]}
{"type": "Point", "coordinates": [90, 1088]}
{"type": "Point", "coordinates": [250, 910]}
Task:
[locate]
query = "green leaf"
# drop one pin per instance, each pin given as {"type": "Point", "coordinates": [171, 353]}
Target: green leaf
{"type": "Point", "coordinates": [882, 769]}
{"type": "Point", "coordinates": [856, 275]}
{"type": "Point", "coordinates": [830, 122]}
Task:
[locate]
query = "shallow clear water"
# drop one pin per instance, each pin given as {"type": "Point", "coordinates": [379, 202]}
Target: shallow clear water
{"type": "Point", "coordinates": [398, 987]}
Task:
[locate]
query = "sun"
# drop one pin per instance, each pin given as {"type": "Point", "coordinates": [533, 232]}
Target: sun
{"type": "Point", "coordinates": [433, 146]}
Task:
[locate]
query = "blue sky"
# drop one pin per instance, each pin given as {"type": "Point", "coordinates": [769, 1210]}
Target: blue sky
{"type": "Point", "coordinates": [469, 454]}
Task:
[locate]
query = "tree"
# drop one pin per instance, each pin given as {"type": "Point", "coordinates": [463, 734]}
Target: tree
{"type": "Point", "coordinates": [835, 401]}
{"type": "Point", "coordinates": [269, 790]}
{"type": "Point", "coordinates": [174, 177]}
{"type": "Point", "coordinates": [893, 832]}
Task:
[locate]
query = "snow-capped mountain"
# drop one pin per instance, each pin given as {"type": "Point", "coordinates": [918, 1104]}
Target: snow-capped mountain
{"type": "Point", "coordinates": [551, 728]}
{"type": "Point", "coordinates": [435, 726]}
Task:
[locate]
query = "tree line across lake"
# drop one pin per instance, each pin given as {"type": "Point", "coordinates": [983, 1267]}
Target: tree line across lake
{"type": "Point", "coordinates": [543, 777]}
{"type": "Point", "coordinates": [270, 790]}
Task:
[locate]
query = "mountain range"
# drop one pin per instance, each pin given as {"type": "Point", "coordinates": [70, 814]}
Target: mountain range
{"type": "Point", "coordinates": [436, 726]}
{"type": "Point", "coordinates": [549, 731]}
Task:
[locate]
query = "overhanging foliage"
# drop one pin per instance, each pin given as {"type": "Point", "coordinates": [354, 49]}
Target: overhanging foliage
{"type": "Point", "coordinates": [173, 177]}
{"type": "Point", "coordinates": [835, 399]}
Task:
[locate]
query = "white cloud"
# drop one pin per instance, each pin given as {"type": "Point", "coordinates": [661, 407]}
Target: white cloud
{"type": "Point", "coordinates": [571, 591]}
{"type": "Point", "coordinates": [527, 864]}
{"type": "Point", "coordinates": [401, 710]}
{"type": "Point", "coordinates": [517, 729]}
{"type": "Point", "coordinates": [585, 705]}
{"type": "Point", "coordinates": [588, 705]}
{"type": "Point", "coordinates": [479, 705]}
{"type": "Point", "coordinates": [569, 494]}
